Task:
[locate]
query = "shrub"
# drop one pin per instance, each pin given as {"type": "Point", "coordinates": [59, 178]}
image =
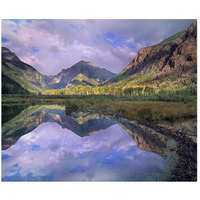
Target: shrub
{"type": "Point", "coordinates": [144, 113]}
{"type": "Point", "coordinates": [70, 107]}
{"type": "Point", "coordinates": [122, 111]}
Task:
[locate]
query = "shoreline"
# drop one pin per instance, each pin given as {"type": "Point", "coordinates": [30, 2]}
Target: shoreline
{"type": "Point", "coordinates": [186, 170]}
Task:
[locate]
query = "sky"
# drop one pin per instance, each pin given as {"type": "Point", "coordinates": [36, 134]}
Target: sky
{"type": "Point", "coordinates": [52, 45]}
{"type": "Point", "coordinates": [101, 156]}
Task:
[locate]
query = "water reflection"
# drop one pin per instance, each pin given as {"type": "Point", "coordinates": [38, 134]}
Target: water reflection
{"type": "Point", "coordinates": [82, 124]}
{"type": "Point", "coordinates": [8, 112]}
{"type": "Point", "coordinates": [50, 146]}
{"type": "Point", "coordinates": [188, 127]}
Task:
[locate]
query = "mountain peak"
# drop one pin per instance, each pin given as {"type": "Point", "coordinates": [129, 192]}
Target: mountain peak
{"type": "Point", "coordinates": [4, 49]}
{"type": "Point", "coordinates": [19, 76]}
{"type": "Point", "coordinates": [85, 68]}
{"type": "Point", "coordinates": [8, 55]}
{"type": "Point", "coordinates": [85, 63]}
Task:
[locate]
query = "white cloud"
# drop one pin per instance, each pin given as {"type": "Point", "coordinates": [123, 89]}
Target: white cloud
{"type": "Point", "coordinates": [62, 43]}
{"type": "Point", "coordinates": [55, 145]}
{"type": "Point", "coordinates": [52, 153]}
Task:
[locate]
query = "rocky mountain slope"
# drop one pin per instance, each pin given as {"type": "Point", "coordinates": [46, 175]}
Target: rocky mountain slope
{"type": "Point", "coordinates": [177, 54]}
{"type": "Point", "coordinates": [19, 77]}
{"type": "Point", "coordinates": [87, 69]}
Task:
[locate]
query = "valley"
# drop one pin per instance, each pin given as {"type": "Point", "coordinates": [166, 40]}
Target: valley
{"type": "Point", "coordinates": [153, 99]}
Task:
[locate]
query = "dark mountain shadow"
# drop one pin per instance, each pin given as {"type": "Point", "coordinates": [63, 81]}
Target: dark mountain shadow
{"type": "Point", "coordinates": [33, 116]}
{"type": "Point", "coordinates": [9, 112]}
{"type": "Point", "coordinates": [149, 140]}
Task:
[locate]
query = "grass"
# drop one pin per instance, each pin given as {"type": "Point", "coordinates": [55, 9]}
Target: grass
{"type": "Point", "coordinates": [155, 111]}
{"type": "Point", "coordinates": [140, 109]}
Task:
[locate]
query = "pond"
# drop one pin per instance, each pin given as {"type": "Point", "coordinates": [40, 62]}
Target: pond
{"type": "Point", "coordinates": [42, 143]}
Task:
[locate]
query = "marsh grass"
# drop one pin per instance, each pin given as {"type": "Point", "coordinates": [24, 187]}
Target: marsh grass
{"type": "Point", "coordinates": [148, 110]}
{"type": "Point", "coordinates": [141, 109]}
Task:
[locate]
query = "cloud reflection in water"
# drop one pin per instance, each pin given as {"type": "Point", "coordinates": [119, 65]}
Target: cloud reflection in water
{"type": "Point", "coordinates": [51, 153]}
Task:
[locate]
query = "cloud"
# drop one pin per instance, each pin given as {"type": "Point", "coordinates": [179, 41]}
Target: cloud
{"type": "Point", "coordinates": [52, 153]}
{"type": "Point", "coordinates": [51, 45]}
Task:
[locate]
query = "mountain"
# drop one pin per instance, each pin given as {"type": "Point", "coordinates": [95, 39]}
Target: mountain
{"type": "Point", "coordinates": [19, 77]}
{"type": "Point", "coordinates": [87, 69]}
{"type": "Point", "coordinates": [81, 79]}
{"type": "Point", "coordinates": [171, 64]}
{"type": "Point", "coordinates": [175, 55]}
{"type": "Point", "coordinates": [10, 86]}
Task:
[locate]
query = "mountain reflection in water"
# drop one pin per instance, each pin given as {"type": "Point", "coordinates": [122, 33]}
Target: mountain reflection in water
{"type": "Point", "coordinates": [43, 144]}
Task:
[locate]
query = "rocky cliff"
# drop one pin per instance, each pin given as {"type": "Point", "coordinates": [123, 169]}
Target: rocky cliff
{"type": "Point", "coordinates": [177, 53]}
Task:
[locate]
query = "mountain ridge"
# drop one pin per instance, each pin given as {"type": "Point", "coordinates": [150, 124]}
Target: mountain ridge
{"type": "Point", "coordinates": [175, 56]}
{"type": "Point", "coordinates": [20, 77]}
{"type": "Point", "coordinates": [20, 74]}
{"type": "Point", "coordinates": [86, 68]}
{"type": "Point", "coordinates": [177, 53]}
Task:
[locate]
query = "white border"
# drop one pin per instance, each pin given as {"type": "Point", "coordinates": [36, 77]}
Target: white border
{"type": "Point", "coordinates": [102, 9]}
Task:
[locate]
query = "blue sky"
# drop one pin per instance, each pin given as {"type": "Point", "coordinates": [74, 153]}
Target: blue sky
{"type": "Point", "coordinates": [53, 45]}
{"type": "Point", "coordinates": [101, 156]}
{"type": "Point", "coordinates": [4, 40]}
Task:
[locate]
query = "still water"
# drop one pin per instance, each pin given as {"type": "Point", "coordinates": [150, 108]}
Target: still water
{"type": "Point", "coordinates": [42, 143]}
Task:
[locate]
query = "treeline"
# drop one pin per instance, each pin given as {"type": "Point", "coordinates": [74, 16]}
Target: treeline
{"type": "Point", "coordinates": [11, 87]}
{"type": "Point", "coordinates": [105, 90]}
{"type": "Point", "coordinates": [184, 94]}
